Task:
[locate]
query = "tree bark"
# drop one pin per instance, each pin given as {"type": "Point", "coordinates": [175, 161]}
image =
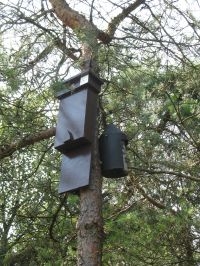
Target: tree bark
{"type": "Point", "coordinates": [90, 223]}
{"type": "Point", "coordinates": [73, 19]}
{"type": "Point", "coordinates": [8, 149]}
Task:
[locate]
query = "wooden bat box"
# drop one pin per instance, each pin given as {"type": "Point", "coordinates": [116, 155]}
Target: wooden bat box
{"type": "Point", "coordinates": [77, 112]}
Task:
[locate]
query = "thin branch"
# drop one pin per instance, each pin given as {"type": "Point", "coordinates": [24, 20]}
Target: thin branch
{"type": "Point", "coordinates": [8, 150]}
{"type": "Point", "coordinates": [178, 174]}
{"type": "Point", "coordinates": [153, 201]}
{"type": "Point", "coordinates": [192, 139]}
{"type": "Point", "coordinates": [91, 11]}
{"type": "Point", "coordinates": [156, 39]}
{"type": "Point", "coordinates": [39, 57]}
{"type": "Point", "coordinates": [150, 199]}
{"type": "Point", "coordinates": [57, 41]}
{"type": "Point", "coordinates": [112, 27]}
{"type": "Point", "coordinates": [55, 216]}
{"type": "Point", "coordinates": [168, 35]}
{"type": "Point", "coordinates": [120, 212]}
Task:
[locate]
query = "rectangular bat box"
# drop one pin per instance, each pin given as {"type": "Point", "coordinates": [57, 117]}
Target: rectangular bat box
{"type": "Point", "coordinates": [77, 112]}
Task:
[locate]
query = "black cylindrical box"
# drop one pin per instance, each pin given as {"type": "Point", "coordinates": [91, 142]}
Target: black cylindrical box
{"type": "Point", "coordinates": [112, 147]}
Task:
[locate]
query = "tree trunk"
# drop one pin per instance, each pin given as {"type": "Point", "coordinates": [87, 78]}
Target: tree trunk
{"type": "Point", "coordinates": [90, 224]}
{"type": "Point", "coordinates": [3, 248]}
{"type": "Point", "coordinates": [189, 249]}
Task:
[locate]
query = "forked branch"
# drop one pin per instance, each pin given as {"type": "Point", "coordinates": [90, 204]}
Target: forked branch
{"type": "Point", "coordinates": [76, 21]}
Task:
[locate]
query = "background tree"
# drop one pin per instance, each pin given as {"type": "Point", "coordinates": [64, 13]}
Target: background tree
{"type": "Point", "coordinates": [147, 53]}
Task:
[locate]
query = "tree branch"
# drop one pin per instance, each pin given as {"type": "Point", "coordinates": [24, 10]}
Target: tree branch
{"type": "Point", "coordinates": [56, 40]}
{"type": "Point", "coordinates": [55, 216]}
{"type": "Point", "coordinates": [73, 19]}
{"type": "Point", "coordinates": [153, 201]}
{"type": "Point", "coordinates": [150, 199]}
{"type": "Point", "coordinates": [120, 212]}
{"type": "Point", "coordinates": [39, 57]}
{"type": "Point", "coordinates": [158, 172]}
{"type": "Point", "coordinates": [8, 150]}
{"type": "Point", "coordinates": [112, 26]}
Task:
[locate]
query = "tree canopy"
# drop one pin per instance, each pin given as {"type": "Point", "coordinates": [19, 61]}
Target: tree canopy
{"type": "Point", "coordinates": [147, 54]}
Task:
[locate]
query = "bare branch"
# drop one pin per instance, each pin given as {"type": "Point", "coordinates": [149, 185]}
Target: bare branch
{"type": "Point", "coordinates": [120, 212]}
{"type": "Point", "coordinates": [169, 35]}
{"type": "Point", "coordinates": [55, 216]}
{"type": "Point", "coordinates": [120, 17]}
{"type": "Point", "coordinates": [178, 174]}
{"type": "Point", "coordinates": [75, 20]}
{"type": "Point", "coordinates": [151, 200]}
{"type": "Point", "coordinates": [56, 40]}
{"type": "Point", "coordinates": [39, 57]}
{"type": "Point", "coordinates": [8, 150]}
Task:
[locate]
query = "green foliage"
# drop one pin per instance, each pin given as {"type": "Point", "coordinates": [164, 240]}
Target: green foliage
{"type": "Point", "coordinates": [161, 120]}
{"type": "Point", "coordinates": [151, 217]}
{"type": "Point", "coordinates": [161, 117]}
{"type": "Point", "coordinates": [57, 87]}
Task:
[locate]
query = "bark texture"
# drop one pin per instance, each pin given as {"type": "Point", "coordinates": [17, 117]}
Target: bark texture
{"type": "Point", "coordinates": [74, 20]}
{"type": "Point", "coordinates": [8, 150]}
{"type": "Point", "coordinates": [90, 224]}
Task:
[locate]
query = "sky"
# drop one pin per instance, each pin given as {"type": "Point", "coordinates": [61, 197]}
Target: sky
{"type": "Point", "coordinates": [105, 10]}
